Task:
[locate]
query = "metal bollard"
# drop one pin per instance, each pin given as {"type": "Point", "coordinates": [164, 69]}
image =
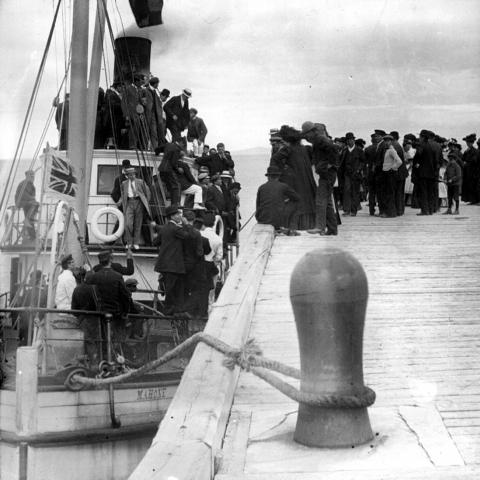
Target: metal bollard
{"type": "Point", "coordinates": [329, 292]}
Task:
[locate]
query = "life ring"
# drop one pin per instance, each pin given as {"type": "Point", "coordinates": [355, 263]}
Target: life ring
{"type": "Point", "coordinates": [103, 236]}
{"type": "Point", "coordinates": [218, 226]}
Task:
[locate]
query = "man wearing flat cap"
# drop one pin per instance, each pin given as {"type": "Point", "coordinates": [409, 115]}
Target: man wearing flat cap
{"type": "Point", "coordinates": [135, 198]}
{"type": "Point", "coordinates": [170, 263]}
{"type": "Point", "coordinates": [325, 159]}
{"type": "Point", "coordinates": [471, 178]}
{"type": "Point", "coordinates": [178, 113]}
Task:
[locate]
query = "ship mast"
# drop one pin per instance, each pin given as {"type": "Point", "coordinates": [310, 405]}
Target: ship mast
{"type": "Point", "coordinates": [83, 107]}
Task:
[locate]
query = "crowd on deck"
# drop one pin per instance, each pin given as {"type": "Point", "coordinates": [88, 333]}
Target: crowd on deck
{"type": "Point", "coordinates": [427, 172]}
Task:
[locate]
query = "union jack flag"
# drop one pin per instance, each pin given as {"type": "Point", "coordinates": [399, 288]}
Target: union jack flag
{"type": "Point", "coordinates": [61, 177]}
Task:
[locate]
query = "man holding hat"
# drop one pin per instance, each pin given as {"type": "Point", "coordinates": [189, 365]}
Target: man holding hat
{"type": "Point", "coordinates": [325, 159]}
{"type": "Point", "coordinates": [178, 113]}
{"type": "Point", "coordinates": [352, 161]}
{"type": "Point", "coordinates": [135, 198]}
{"type": "Point", "coordinates": [171, 262]}
{"type": "Point", "coordinates": [271, 199]}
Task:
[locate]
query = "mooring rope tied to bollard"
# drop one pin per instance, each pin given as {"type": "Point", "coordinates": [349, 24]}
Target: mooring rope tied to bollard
{"type": "Point", "coordinates": [248, 358]}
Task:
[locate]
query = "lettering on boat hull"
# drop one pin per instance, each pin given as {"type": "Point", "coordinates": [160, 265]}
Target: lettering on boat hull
{"type": "Point", "coordinates": [148, 394]}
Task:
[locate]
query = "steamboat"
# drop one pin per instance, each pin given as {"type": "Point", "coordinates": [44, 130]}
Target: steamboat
{"type": "Point", "coordinates": [49, 425]}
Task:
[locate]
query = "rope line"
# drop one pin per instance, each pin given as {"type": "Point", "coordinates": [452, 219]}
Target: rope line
{"type": "Point", "coordinates": [248, 358]}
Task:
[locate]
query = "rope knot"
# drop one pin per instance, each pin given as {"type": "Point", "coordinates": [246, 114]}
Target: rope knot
{"type": "Point", "coordinates": [244, 357]}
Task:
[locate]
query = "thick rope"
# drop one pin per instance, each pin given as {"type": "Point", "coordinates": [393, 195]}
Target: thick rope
{"type": "Point", "coordinates": [248, 358]}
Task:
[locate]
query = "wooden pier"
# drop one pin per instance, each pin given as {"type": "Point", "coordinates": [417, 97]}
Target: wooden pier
{"type": "Point", "coordinates": [421, 356]}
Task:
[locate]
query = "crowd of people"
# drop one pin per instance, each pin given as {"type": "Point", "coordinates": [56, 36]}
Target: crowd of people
{"type": "Point", "coordinates": [137, 114]}
{"type": "Point", "coordinates": [425, 172]}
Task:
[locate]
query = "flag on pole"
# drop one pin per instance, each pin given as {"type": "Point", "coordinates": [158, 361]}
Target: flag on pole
{"type": "Point", "coordinates": [60, 175]}
{"type": "Point", "coordinates": [147, 12]}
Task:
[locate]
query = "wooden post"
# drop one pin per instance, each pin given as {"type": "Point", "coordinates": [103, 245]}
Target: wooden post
{"type": "Point", "coordinates": [329, 292]}
{"type": "Point", "coordinates": [26, 390]}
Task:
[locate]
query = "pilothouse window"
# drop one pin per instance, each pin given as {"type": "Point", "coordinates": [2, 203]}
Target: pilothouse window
{"type": "Point", "coordinates": [105, 178]}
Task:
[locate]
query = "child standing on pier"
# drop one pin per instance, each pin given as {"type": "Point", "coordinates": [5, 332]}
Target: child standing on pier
{"type": "Point", "coordinates": [453, 180]}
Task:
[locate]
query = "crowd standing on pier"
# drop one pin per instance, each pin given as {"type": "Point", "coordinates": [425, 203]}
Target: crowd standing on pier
{"type": "Point", "coordinates": [426, 172]}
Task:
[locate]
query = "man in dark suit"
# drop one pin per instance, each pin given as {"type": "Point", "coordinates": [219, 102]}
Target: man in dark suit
{"type": "Point", "coordinates": [424, 163]}
{"type": "Point", "coordinates": [153, 113]}
{"type": "Point", "coordinates": [171, 261]}
{"type": "Point", "coordinates": [178, 113]}
{"type": "Point", "coordinates": [197, 131]}
{"type": "Point", "coordinates": [116, 192]}
{"type": "Point", "coordinates": [271, 198]}
{"type": "Point", "coordinates": [134, 101]}
{"type": "Point", "coordinates": [352, 160]}
{"type": "Point", "coordinates": [117, 267]}
{"type": "Point", "coordinates": [168, 169]}
{"type": "Point", "coordinates": [216, 200]}
{"type": "Point", "coordinates": [113, 296]}
{"type": "Point", "coordinates": [370, 154]}
{"type": "Point", "coordinates": [113, 117]}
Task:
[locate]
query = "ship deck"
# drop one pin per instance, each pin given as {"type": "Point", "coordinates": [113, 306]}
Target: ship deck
{"type": "Point", "coordinates": [421, 356]}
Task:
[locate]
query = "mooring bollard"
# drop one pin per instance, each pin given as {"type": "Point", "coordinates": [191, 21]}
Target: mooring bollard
{"type": "Point", "coordinates": [329, 292]}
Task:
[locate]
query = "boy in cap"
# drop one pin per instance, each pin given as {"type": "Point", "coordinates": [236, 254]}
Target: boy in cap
{"type": "Point", "coordinates": [197, 131]}
{"type": "Point", "coordinates": [453, 180]}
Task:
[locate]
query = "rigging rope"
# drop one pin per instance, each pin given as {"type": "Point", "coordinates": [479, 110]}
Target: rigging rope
{"type": "Point", "coordinates": [26, 122]}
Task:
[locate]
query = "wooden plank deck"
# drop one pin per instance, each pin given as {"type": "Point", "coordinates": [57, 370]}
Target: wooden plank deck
{"type": "Point", "coordinates": [421, 356]}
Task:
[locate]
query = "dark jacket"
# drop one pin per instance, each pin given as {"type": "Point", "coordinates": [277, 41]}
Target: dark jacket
{"type": "Point", "coordinates": [196, 130]}
{"type": "Point", "coordinates": [216, 164]}
{"type": "Point", "coordinates": [352, 162]}
{"type": "Point", "coordinates": [216, 200]}
{"type": "Point", "coordinates": [170, 238]}
{"type": "Point", "coordinates": [370, 154]}
{"type": "Point", "coordinates": [271, 197]}
{"type": "Point", "coordinates": [119, 268]}
{"type": "Point", "coordinates": [325, 158]}
{"type": "Point", "coordinates": [192, 248]}
{"type": "Point", "coordinates": [174, 107]}
{"type": "Point", "coordinates": [171, 155]}
{"type": "Point", "coordinates": [116, 191]}
{"type": "Point", "coordinates": [185, 179]}
{"type": "Point", "coordinates": [424, 162]}
{"type": "Point", "coordinates": [113, 296]}
{"type": "Point", "coordinates": [84, 298]}
{"type": "Point", "coordinates": [25, 193]}
{"type": "Point", "coordinates": [453, 174]}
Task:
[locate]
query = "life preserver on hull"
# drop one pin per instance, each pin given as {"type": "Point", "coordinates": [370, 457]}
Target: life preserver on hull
{"type": "Point", "coordinates": [95, 227]}
{"type": "Point", "coordinates": [218, 226]}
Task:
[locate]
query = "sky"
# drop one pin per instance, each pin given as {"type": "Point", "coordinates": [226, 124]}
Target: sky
{"type": "Point", "coordinates": [253, 65]}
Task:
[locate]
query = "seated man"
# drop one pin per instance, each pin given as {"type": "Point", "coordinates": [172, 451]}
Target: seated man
{"type": "Point", "coordinates": [25, 198]}
{"type": "Point", "coordinates": [188, 186]}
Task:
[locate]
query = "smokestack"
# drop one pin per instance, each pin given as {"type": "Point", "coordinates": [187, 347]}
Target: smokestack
{"type": "Point", "coordinates": [132, 56]}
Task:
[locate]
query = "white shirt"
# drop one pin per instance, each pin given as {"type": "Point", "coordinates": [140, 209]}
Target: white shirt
{"type": "Point", "coordinates": [65, 286]}
{"type": "Point", "coordinates": [131, 189]}
{"type": "Point", "coordinates": [216, 244]}
{"type": "Point", "coordinates": [350, 149]}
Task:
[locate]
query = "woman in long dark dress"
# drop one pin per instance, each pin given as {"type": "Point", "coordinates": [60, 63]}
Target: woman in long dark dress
{"type": "Point", "coordinates": [294, 162]}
